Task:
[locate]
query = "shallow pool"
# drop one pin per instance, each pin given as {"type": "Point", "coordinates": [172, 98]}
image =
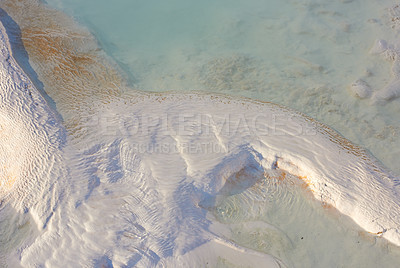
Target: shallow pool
{"type": "Point", "coordinates": [302, 54]}
{"type": "Point", "coordinates": [276, 193]}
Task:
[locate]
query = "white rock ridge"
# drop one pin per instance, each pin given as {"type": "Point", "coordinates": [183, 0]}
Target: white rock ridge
{"type": "Point", "coordinates": [146, 162]}
{"type": "Point", "coordinates": [31, 136]}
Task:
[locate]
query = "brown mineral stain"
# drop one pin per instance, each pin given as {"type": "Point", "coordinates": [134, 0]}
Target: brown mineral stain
{"type": "Point", "coordinates": [67, 59]}
{"type": "Point", "coordinates": [367, 236]}
{"type": "Point", "coordinates": [306, 183]}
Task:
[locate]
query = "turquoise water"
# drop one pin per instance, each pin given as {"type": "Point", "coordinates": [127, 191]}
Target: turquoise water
{"type": "Point", "coordinates": [276, 218]}
{"type": "Point", "coordinates": [302, 54]}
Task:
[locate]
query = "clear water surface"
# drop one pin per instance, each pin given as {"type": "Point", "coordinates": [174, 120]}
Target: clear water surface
{"type": "Point", "coordinates": [302, 54]}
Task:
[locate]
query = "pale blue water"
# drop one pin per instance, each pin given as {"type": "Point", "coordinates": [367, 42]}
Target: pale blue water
{"type": "Point", "coordinates": [303, 54]}
{"type": "Point", "coordinates": [300, 54]}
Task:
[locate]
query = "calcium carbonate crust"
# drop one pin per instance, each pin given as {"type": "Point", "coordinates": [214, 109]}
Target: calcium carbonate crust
{"type": "Point", "coordinates": [142, 198]}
